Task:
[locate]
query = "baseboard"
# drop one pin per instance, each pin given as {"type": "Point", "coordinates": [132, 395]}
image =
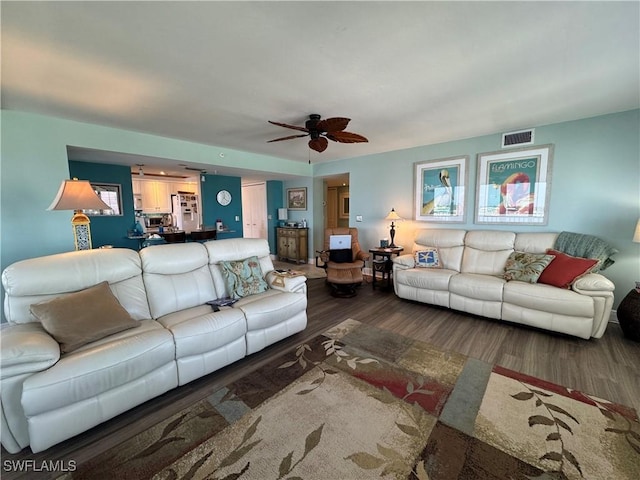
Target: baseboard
{"type": "Point", "coordinates": [613, 316]}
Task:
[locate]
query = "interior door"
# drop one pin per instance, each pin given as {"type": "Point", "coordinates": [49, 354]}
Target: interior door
{"type": "Point", "coordinates": [254, 210]}
{"type": "Point", "coordinates": [331, 214]}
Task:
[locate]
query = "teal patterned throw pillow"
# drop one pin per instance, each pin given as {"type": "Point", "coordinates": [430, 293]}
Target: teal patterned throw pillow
{"type": "Point", "coordinates": [526, 267]}
{"type": "Point", "coordinates": [243, 277]}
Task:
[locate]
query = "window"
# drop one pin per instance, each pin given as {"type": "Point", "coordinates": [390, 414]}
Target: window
{"type": "Point", "coordinates": [109, 193]}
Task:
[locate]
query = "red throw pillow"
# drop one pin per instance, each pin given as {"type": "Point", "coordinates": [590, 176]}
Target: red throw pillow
{"type": "Point", "coordinates": [565, 269]}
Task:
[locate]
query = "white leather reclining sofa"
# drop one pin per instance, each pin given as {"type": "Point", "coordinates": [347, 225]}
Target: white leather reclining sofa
{"type": "Point", "coordinates": [471, 280]}
{"type": "Point", "coordinates": [47, 397]}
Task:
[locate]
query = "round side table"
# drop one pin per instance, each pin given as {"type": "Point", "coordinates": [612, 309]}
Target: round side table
{"type": "Point", "coordinates": [629, 315]}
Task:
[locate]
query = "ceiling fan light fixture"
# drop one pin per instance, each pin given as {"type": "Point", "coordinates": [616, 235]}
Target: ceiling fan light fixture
{"type": "Point", "coordinates": [321, 130]}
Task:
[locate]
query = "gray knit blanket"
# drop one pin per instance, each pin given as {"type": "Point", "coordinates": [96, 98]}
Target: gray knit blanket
{"type": "Point", "coordinates": [586, 246]}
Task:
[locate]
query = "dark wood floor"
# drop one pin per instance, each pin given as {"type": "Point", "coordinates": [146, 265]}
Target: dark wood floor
{"type": "Point", "coordinates": [607, 368]}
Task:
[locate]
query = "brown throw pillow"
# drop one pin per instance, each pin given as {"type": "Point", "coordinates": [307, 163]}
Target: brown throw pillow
{"type": "Point", "coordinates": [83, 317]}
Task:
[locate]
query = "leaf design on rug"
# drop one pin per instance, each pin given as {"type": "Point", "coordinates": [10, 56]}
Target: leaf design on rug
{"type": "Point", "coordinates": [411, 388]}
{"type": "Point", "coordinates": [391, 459]}
{"type": "Point", "coordinates": [631, 436]}
{"type": "Point", "coordinates": [331, 348]}
{"type": "Point", "coordinates": [300, 358]}
{"type": "Point", "coordinates": [163, 440]}
{"type": "Point", "coordinates": [311, 442]}
{"type": "Point", "coordinates": [551, 419]}
{"type": "Point", "coordinates": [236, 454]}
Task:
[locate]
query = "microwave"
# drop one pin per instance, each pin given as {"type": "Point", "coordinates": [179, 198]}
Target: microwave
{"type": "Point", "coordinates": [153, 222]}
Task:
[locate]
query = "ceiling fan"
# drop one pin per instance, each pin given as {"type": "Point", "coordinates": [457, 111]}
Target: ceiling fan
{"type": "Point", "coordinates": [320, 130]}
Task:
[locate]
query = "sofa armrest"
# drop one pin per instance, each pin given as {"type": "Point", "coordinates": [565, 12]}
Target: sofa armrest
{"type": "Point", "coordinates": [26, 348]}
{"type": "Point", "coordinates": [404, 262]}
{"type": "Point", "coordinates": [593, 284]}
{"type": "Point", "coordinates": [286, 284]}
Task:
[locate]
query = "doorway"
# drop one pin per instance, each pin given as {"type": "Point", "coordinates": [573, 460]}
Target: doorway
{"type": "Point", "coordinates": [336, 201]}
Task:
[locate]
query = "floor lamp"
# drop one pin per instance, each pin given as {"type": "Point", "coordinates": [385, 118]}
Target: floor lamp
{"type": "Point", "coordinates": [393, 216]}
{"type": "Point", "coordinates": [78, 195]}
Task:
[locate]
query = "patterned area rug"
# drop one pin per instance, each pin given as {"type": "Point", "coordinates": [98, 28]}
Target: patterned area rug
{"type": "Point", "coordinates": [310, 270]}
{"type": "Point", "coordinates": [360, 403]}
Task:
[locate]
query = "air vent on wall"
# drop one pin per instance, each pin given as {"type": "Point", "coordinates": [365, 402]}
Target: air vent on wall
{"type": "Point", "coordinates": [521, 137]}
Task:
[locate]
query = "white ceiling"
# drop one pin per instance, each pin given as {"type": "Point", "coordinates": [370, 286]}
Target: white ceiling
{"type": "Point", "coordinates": [406, 73]}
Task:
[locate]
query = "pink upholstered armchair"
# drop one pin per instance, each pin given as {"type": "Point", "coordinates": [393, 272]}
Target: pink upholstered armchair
{"type": "Point", "coordinates": [344, 274]}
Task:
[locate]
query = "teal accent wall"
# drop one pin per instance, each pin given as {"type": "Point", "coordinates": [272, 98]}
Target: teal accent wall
{"type": "Point", "coordinates": [212, 210]}
{"type": "Point", "coordinates": [275, 200]}
{"type": "Point", "coordinates": [109, 230]}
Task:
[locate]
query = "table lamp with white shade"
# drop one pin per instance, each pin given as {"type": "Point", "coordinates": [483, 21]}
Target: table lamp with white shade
{"type": "Point", "coordinates": [78, 195]}
{"type": "Point", "coordinates": [393, 216]}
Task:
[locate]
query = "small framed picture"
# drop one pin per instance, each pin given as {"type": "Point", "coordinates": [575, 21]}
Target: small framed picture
{"type": "Point", "coordinates": [297, 198]}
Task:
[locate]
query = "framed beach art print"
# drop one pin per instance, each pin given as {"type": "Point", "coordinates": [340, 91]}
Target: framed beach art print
{"type": "Point", "coordinates": [514, 186]}
{"type": "Point", "coordinates": [439, 189]}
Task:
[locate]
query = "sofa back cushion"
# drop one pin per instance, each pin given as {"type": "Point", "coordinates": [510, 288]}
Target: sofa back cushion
{"type": "Point", "coordinates": [449, 242]}
{"type": "Point", "coordinates": [535, 242]}
{"type": "Point", "coordinates": [234, 249]}
{"type": "Point", "coordinates": [486, 251]}
{"type": "Point", "coordinates": [38, 279]}
{"type": "Point", "coordinates": [176, 277]}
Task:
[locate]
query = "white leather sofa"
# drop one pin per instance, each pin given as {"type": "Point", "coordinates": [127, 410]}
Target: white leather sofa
{"type": "Point", "coordinates": [471, 280]}
{"type": "Point", "coordinates": [47, 397]}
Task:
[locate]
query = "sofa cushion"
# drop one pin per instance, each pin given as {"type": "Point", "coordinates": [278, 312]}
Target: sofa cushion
{"type": "Point", "coordinates": [200, 329]}
{"type": "Point", "coordinates": [37, 279]}
{"type": "Point", "coordinates": [426, 278]}
{"type": "Point", "coordinates": [449, 242]}
{"type": "Point", "coordinates": [83, 317]}
{"type": "Point", "coordinates": [480, 287]}
{"type": "Point", "coordinates": [526, 267]}
{"type": "Point", "coordinates": [270, 308]}
{"type": "Point", "coordinates": [486, 251]}
{"type": "Point", "coordinates": [243, 277]}
{"type": "Point", "coordinates": [100, 367]}
{"type": "Point", "coordinates": [565, 269]}
{"type": "Point", "coordinates": [428, 258]}
{"type": "Point", "coordinates": [546, 298]}
{"type": "Point", "coordinates": [176, 277]}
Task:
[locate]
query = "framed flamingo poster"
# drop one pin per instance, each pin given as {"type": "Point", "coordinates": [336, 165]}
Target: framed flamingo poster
{"type": "Point", "coordinates": [514, 186]}
{"type": "Point", "coordinates": [439, 190]}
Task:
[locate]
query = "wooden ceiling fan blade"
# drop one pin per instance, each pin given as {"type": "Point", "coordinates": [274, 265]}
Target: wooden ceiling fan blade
{"type": "Point", "coordinates": [290, 137]}
{"type": "Point", "coordinates": [346, 137]}
{"type": "Point", "coordinates": [318, 144]}
{"type": "Point", "coordinates": [285, 125]}
{"type": "Point", "coordinates": [335, 124]}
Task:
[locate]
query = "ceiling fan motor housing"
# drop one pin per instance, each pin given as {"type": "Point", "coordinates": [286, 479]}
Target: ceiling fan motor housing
{"type": "Point", "coordinates": [312, 124]}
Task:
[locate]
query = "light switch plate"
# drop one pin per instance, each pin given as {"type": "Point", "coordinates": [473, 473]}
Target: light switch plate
{"type": "Point", "coordinates": [358, 218]}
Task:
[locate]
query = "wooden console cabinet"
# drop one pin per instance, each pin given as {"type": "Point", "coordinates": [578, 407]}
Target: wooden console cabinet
{"type": "Point", "coordinates": [292, 244]}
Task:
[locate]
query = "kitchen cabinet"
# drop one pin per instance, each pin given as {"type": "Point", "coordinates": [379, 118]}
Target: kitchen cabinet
{"type": "Point", "coordinates": [182, 187]}
{"type": "Point", "coordinates": [156, 196]}
{"type": "Point", "coordinates": [292, 244]}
